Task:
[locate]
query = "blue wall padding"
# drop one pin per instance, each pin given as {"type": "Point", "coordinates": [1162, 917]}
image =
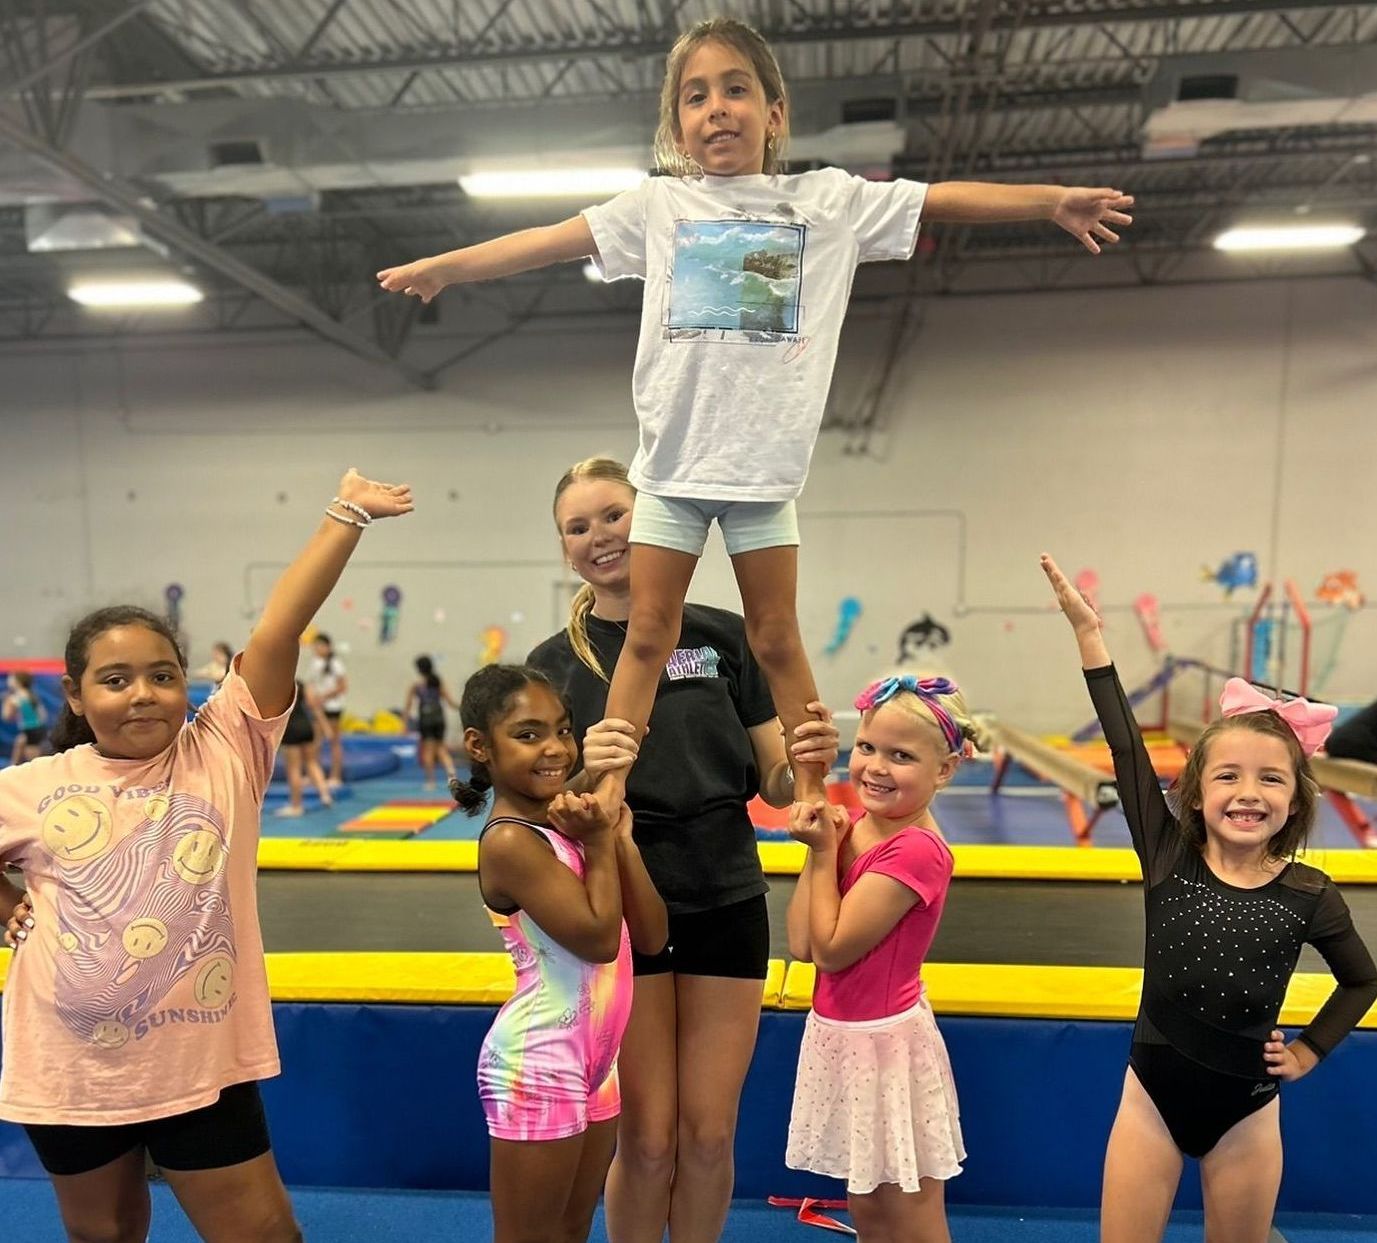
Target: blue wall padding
{"type": "Point", "coordinates": [383, 1096]}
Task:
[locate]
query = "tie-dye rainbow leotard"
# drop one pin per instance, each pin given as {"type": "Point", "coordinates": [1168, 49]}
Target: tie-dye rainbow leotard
{"type": "Point", "coordinates": [548, 1066]}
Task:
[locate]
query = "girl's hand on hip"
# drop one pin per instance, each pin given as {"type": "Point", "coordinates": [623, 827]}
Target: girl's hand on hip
{"type": "Point", "coordinates": [19, 923]}
{"type": "Point", "coordinates": [1288, 1062]}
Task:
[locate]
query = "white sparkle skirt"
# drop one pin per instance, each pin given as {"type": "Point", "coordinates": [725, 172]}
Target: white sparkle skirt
{"type": "Point", "coordinates": [875, 1102]}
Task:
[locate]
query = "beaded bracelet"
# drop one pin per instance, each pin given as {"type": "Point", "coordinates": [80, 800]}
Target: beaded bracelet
{"type": "Point", "coordinates": [363, 515]}
{"type": "Point", "coordinates": [340, 518]}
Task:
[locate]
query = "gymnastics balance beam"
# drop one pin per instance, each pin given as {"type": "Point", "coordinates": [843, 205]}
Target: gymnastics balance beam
{"type": "Point", "coordinates": [1086, 793]}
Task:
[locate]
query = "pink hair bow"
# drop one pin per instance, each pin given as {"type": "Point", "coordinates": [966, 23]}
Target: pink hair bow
{"type": "Point", "coordinates": [1311, 722]}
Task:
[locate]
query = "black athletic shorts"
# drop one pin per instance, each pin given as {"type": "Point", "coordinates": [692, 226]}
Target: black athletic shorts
{"type": "Point", "coordinates": [731, 941]}
{"type": "Point", "coordinates": [36, 736]}
{"type": "Point", "coordinates": [232, 1130]}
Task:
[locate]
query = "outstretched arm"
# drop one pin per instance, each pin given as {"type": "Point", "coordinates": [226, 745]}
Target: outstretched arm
{"type": "Point", "coordinates": [269, 661]}
{"type": "Point", "coordinates": [502, 256]}
{"type": "Point", "coordinates": [1150, 822]}
{"type": "Point", "coordinates": [1084, 213]}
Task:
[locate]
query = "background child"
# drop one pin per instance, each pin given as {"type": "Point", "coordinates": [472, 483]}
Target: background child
{"type": "Point", "coordinates": [305, 724]}
{"type": "Point", "coordinates": [739, 333]}
{"type": "Point", "coordinates": [330, 682]}
{"type": "Point", "coordinates": [557, 876]}
{"type": "Point", "coordinates": [30, 717]}
{"type": "Point", "coordinates": [1228, 910]}
{"type": "Point", "coordinates": [215, 669]}
{"type": "Point", "coordinates": [430, 697]}
{"type": "Point", "coordinates": [137, 840]}
{"type": "Point", "coordinates": [874, 1102]}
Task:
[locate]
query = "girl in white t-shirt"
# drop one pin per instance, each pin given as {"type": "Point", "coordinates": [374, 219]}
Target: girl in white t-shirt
{"type": "Point", "coordinates": [747, 273]}
{"type": "Point", "coordinates": [330, 684]}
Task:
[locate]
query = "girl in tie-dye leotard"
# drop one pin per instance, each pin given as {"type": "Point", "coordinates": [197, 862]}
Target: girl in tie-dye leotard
{"type": "Point", "coordinates": [569, 891]}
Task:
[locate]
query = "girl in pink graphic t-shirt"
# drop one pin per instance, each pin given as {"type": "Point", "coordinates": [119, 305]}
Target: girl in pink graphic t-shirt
{"type": "Point", "coordinates": [136, 1015]}
{"type": "Point", "coordinates": [874, 1101]}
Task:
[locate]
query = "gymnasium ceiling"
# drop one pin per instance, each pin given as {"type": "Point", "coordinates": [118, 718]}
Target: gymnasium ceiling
{"type": "Point", "coordinates": [278, 152]}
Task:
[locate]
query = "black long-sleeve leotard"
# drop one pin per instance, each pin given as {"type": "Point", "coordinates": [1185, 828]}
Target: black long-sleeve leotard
{"type": "Point", "coordinates": [1217, 957]}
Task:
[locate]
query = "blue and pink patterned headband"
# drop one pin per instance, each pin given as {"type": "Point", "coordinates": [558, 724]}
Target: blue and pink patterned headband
{"type": "Point", "coordinates": [928, 690]}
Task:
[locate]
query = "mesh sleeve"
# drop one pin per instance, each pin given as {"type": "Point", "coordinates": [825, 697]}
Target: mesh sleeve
{"type": "Point", "coordinates": [1156, 837]}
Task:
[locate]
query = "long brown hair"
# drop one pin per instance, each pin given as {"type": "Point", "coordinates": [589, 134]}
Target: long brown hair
{"type": "Point", "coordinates": [752, 46]}
{"type": "Point", "coordinates": [1185, 793]}
{"type": "Point", "coordinates": [590, 468]}
{"type": "Point", "coordinates": [72, 730]}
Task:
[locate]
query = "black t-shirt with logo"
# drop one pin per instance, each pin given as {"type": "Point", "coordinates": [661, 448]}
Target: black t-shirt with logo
{"type": "Point", "coordinates": [696, 772]}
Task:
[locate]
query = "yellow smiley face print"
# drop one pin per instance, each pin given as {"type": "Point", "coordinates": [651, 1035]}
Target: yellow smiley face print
{"type": "Point", "coordinates": [199, 856]}
{"type": "Point", "coordinates": [109, 1034]}
{"type": "Point", "coordinates": [77, 829]}
{"type": "Point", "coordinates": [214, 983]}
{"type": "Point", "coordinates": [156, 807]}
{"type": "Point", "coordinates": [145, 938]}
{"type": "Point", "coordinates": [68, 941]}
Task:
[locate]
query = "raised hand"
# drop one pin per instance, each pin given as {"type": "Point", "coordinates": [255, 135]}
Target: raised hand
{"type": "Point", "coordinates": [1077, 608]}
{"type": "Point", "coordinates": [422, 279]}
{"type": "Point", "coordinates": [1087, 214]}
{"type": "Point", "coordinates": [381, 500]}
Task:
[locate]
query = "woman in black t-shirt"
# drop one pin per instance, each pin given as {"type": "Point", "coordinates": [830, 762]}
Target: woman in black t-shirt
{"type": "Point", "coordinates": [714, 742]}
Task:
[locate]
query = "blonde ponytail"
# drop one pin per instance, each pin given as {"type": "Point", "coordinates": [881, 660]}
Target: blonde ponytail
{"type": "Point", "coordinates": [577, 630]}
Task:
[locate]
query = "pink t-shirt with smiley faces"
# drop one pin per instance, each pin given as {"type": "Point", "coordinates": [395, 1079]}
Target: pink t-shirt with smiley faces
{"type": "Point", "coordinates": [141, 991]}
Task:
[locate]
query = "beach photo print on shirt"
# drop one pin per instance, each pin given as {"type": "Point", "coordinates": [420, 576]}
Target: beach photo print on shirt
{"type": "Point", "coordinates": [736, 281]}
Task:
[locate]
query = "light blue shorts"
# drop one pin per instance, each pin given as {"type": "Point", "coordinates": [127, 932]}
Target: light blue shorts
{"type": "Point", "coordinates": [682, 524]}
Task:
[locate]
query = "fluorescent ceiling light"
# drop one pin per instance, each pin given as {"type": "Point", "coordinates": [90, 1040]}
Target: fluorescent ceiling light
{"type": "Point", "coordinates": [1290, 237]}
{"type": "Point", "coordinates": [529, 183]}
{"type": "Point", "coordinates": [121, 294]}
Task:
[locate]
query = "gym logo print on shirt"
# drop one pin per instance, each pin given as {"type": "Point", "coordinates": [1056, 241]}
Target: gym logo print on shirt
{"type": "Point", "coordinates": [692, 662]}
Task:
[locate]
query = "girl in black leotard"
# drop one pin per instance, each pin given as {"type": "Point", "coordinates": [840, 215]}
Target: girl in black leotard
{"type": "Point", "coordinates": [1228, 909]}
